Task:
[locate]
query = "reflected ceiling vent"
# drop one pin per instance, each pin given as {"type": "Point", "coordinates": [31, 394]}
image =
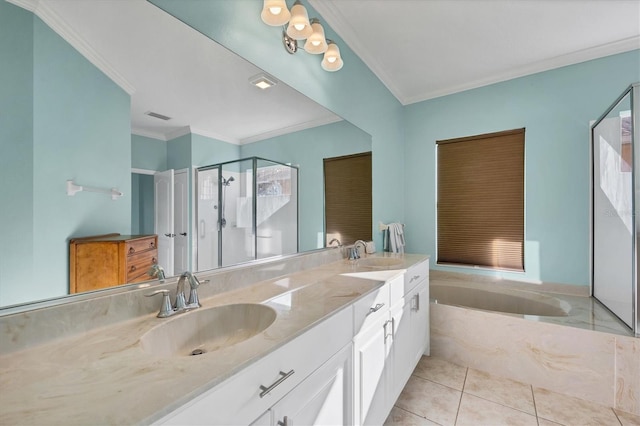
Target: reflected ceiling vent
{"type": "Point", "coordinates": [262, 81]}
{"type": "Point", "coordinates": [156, 115]}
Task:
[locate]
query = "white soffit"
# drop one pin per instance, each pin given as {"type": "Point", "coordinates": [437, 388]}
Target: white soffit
{"type": "Point", "coordinates": [422, 49]}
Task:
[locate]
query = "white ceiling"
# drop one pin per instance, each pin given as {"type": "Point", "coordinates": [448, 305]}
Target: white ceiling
{"type": "Point", "coordinates": [422, 49]}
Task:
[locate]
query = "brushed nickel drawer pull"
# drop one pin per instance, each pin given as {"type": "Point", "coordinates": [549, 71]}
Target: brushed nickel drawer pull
{"type": "Point", "coordinates": [375, 308]}
{"type": "Point", "coordinates": [413, 278]}
{"type": "Point", "coordinates": [266, 389]}
{"type": "Point", "coordinates": [284, 422]}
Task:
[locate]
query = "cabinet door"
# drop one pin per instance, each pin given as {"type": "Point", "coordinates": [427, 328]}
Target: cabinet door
{"type": "Point", "coordinates": [420, 321]}
{"type": "Point", "coordinates": [370, 373]}
{"type": "Point", "coordinates": [324, 398]}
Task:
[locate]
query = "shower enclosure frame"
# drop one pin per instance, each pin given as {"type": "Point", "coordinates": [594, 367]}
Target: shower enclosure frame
{"type": "Point", "coordinates": [254, 188]}
{"type": "Point", "coordinates": [633, 91]}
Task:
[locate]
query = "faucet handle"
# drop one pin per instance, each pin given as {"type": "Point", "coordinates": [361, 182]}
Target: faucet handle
{"type": "Point", "coordinates": [194, 302]}
{"type": "Point", "coordinates": [165, 308]}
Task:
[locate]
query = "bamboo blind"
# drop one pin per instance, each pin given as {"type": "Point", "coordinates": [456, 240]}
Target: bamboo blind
{"type": "Point", "coordinates": [481, 200]}
{"type": "Point", "coordinates": [348, 200]}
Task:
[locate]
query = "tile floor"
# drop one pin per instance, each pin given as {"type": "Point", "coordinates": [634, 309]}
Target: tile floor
{"type": "Point", "coordinates": [442, 393]}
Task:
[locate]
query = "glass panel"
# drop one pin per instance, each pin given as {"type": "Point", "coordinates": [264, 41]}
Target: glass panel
{"type": "Point", "coordinates": [276, 209]}
{"type": "Point", "coordinates": [236, 213]}
{"type": "Point", "coordinates": [207, 217]}
{"type": "Point", "coordinates": [613, 211]}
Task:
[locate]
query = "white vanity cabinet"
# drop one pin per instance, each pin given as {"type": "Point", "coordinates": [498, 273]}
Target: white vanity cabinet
{"type": "Point", "coordinates": [324, 398]}
{"type": "Point", "coordinates": [254, 391]}
{"type": "Point", "coordinates": [388, 347]}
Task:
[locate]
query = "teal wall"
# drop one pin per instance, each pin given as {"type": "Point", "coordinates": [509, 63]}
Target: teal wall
{"type": "Point", "coordinates": [206, 151]}
{"type": "Point", "coordinates": [16, 151]}
{"type": "Point", "coordinates": [306, 149]}
{"type": "Point", "coordinates": [142, 204]}
{"type": "Point", "coordinates": [354, 93]}
{"type": "Point", "coordinates": [148, 153]}
{"type": "Point", "coordinates": [80, 130]}
{"type": "Point", "coordinates": [555, 107]}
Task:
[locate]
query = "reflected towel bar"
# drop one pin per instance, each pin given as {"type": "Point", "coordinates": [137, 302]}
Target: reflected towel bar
{"type": "Point", "coordinates": [72, 188]}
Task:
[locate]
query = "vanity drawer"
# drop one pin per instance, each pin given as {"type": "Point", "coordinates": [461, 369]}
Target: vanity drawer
{"type": "Point", "coordinates": [370, 307]}
{"type": "Point", "coordinates": [139, 263]}
{"type": "Point", "coordinates": [415, 274]}
{"type": "Point", "coordinates": [237, 400]}
{"type": "Point", "coordinates": [140, 245]}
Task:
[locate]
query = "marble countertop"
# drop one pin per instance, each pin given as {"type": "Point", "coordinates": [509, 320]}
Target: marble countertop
{"type": "Point", "coordinates": [104, 377]}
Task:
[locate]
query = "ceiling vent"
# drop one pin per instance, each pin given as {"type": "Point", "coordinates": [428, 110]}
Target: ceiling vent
{"type": "Point", "coordinates": [156, 115]}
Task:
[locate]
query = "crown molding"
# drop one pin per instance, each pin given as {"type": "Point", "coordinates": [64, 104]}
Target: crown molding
{"type": "Point", "coordinates": [215, 136]}
{"type": "Point", "coordinates": [296, 128]}
{"type": "Point", "coordinates": [148, 134]}
{"type": "Point", "coordinates": [572, 58]}
{"type": "Point", "coordinates": [64, 30]}
{"type": "Point", "coordinates": [351, 38]}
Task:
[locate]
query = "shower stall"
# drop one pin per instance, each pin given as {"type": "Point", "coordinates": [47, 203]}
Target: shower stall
{"type": "Point", "coordinates": [615, 151]}
{"type": "Point", "coordinates": [245, 210]}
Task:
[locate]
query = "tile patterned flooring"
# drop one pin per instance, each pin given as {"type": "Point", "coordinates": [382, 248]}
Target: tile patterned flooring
{"type": "Point", "coordinates": [442, 393]}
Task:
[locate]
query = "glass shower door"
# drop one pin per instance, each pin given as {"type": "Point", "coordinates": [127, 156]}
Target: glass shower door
{"type": "Point", "coordinates": [614, 232]}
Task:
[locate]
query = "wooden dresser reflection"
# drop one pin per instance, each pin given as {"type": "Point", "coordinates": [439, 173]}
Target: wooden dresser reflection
{"type": "Point", "coordinates": [108, 260]}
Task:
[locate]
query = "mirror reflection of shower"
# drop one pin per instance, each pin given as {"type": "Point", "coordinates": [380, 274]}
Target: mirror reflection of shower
{"type": "Point", "coordinates": [246, 209]}
{"type": "Point", "coordinates": [225, 183]}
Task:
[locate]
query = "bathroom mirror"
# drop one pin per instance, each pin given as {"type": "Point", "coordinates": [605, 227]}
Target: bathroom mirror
{"type": "Point", "coordinates": [70, 131]}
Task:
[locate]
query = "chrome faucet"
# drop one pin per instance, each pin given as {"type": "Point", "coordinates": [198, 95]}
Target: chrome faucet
{"type": "Point", "coordinates": [156, 271]}
{"type": "Point", "coordinates": [335, 240]}
{"type": "Point", "coordinates": [357, 246]}
{"type": "Point", "coordinates": [180, 306]}
{"type": "Point", "coordinates": [193, 302]}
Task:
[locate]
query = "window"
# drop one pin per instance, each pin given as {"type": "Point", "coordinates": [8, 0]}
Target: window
{"type": "Point", "coordinates": [347, 198]}
{"type": "Point", "coordinates": [480, 200]}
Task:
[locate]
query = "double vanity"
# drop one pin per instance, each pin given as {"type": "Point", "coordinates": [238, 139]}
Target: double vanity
{"type": "Point", "coordinates": [309, 339]}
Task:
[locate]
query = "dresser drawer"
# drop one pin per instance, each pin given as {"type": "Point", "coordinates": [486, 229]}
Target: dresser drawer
{"type": "Point", "coordinates": [138, 264]}
{"type": "Point", "coordinates": [140, 245]}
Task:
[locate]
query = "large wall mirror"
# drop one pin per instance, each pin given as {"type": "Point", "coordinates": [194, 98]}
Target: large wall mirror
{"type": "Point", "coordinates": [87, 86]}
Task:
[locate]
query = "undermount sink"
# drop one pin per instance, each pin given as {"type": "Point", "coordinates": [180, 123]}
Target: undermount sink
{"type": "Point", "coordinates": [380, 262]}
{"type": "Point", "coordinates": [207, 330]}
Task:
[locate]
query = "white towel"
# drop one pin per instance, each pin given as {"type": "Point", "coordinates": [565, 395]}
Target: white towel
{"type": "Point", "coordinates": [396, 238]}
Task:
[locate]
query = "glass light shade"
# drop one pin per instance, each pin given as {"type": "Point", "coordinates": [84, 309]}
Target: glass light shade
{"type": "Point", "coordinates": [316, 43]}
{"type": "Point", "coordinates": [275, 13]}
{"type": "Point", "coordinates": [332, 60]}
{"type": "Point", "coordinates": [299, 27]}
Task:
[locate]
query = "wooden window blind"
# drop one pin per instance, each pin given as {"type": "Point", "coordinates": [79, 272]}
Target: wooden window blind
{"type": "Point", "coordinates": [480, 210]}
{"type": "Point", "coordinates": [347, 198]}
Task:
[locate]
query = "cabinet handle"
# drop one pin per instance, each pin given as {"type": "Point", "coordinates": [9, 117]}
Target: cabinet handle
{"type": "Point", "coordinates": [375, 308]}
{"type": "Point", "coordinates": [131, 250]}
{"type": "Point", "coordinates": [418, 302]}
{"type": "Point", "coordinates": [184, 234]}
{"type": "Point", "coordinates": [152, 244]}
{"type": "Point", "coordinates": [415, 302]}
{"type": "Point", "coordinates": [170, 235]}
{"type": "Point", "coordinates": [284, 422]}
{"type": "Point", "coordinates": [384, 327]}
{"type": "Point", "coordinates": [413, 278]}
{"type": "Point", "coordinates": [133, 268]}
{"type": "Point", "coordinates": [266, 389]}
{"type": "Point", "coordinates": [154, 260]}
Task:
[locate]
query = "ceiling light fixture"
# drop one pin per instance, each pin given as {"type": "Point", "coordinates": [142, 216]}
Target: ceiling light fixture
{"type": "Point", "coordinates": [262, 81]}
{"type": "Point", "coordinates": [275, 14]}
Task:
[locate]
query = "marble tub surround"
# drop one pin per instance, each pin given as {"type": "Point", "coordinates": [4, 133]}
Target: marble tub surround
{"type": "Point", "coordinates": [583, 312]}
{"type": "Point", "coordinates": [102, 376]}
{"type": "Point", "coordinates": [595, 366]}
